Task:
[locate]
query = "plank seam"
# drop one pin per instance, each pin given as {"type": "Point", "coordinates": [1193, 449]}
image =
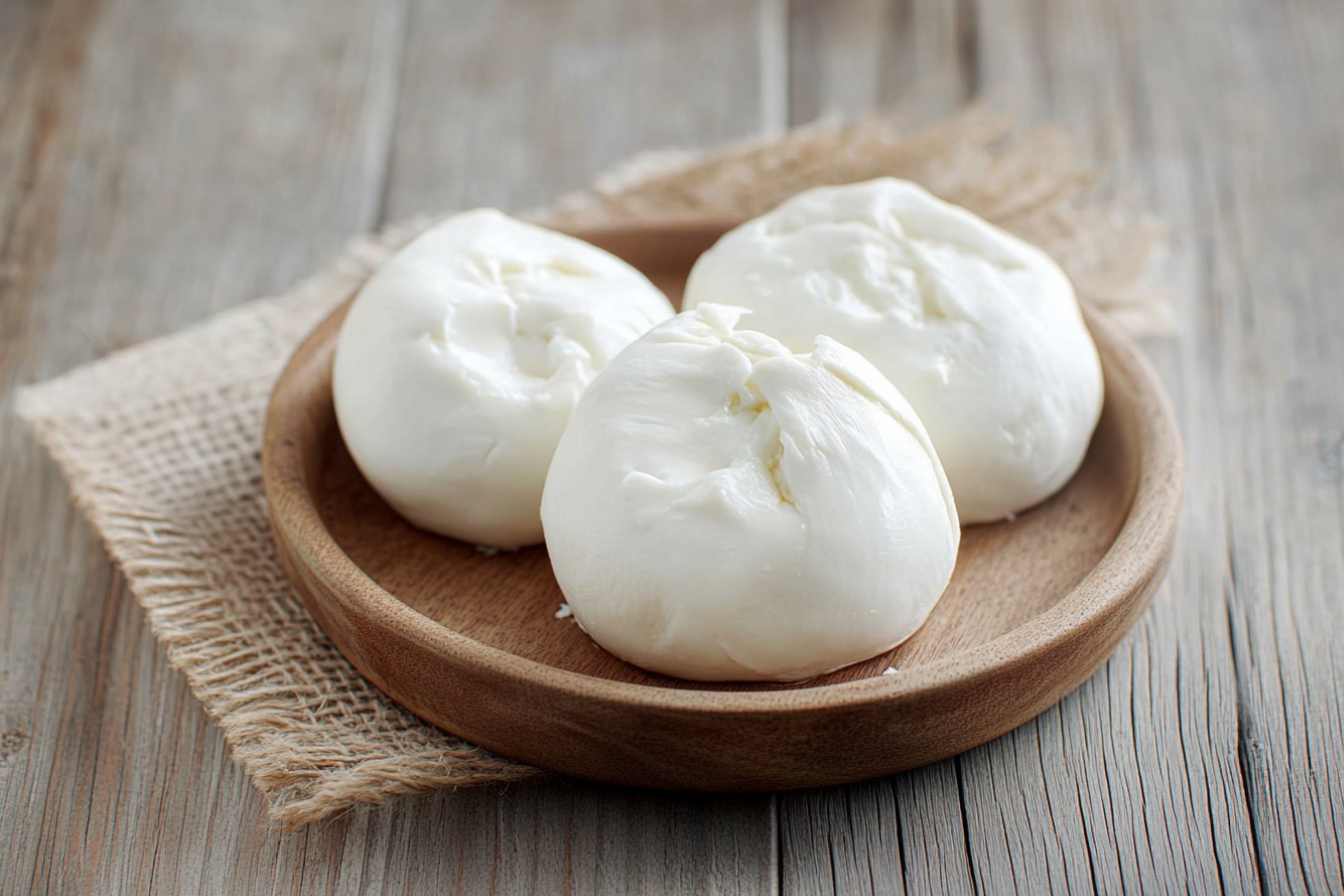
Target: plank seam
{"type": "Point", "coordinates": [1185, 760]}
{"type": "Point", "coordinates": [1243, 759]}
{"type": "Point", "coordinates": [392, 119]}
{"type": "Point", "coordinates": [900, 838]}
{"type": "Point", "coordinates": [966, 829]}
{"type": "Point", "coordinates": [773, 20]}
{"type": "Point", "coordinates": [967, 25]}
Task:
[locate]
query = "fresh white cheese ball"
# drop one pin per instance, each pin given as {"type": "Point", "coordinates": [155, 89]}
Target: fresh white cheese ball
{"type": "Point", "coordinates": [979, 330]}
{"type": "Point", "coordinates": [462, 358]}
{"type": "Point", "coordinates": [720, 508]}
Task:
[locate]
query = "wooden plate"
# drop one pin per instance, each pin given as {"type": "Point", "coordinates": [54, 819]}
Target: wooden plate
{"type": "Point", "coordinates": [470, 642]}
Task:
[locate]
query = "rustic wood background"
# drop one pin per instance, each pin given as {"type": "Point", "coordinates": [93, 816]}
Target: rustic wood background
{"type": "Point", "coordinates": [160, 161]}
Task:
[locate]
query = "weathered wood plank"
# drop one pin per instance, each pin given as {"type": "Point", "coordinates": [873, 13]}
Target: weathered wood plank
{"type": "Point", "coordinates": [509, 110]}
{"type": "Point", "coordinates": [909, 832]}
{"type": "Point", "coordinates": [1218, 106]}
{"type": "Point", "coordinates": [160, 161]}
{"type": "Point", "coordinates": [1133, 782]}
{"type": "Point", "coordinates": [1270, 194]}
{"type": "Point", "coordinates": [1139, 771]}
{"type": "Point", "coordinates": [917, 57]}
{"type": "Point", "coordinates": [906, 833]}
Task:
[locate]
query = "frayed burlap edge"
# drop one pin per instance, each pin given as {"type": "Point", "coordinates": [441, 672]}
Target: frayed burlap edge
{"type": "Point", "coordinates": [160, 442]}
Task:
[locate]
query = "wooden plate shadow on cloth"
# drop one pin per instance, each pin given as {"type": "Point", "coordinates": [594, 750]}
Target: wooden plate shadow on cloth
{"type": "Point", "coordinates": [471, 643]}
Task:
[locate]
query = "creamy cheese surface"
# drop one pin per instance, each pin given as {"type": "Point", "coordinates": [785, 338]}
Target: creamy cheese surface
{"type": "Point", "coordinates": [462, 358]}
{"type": "Point", "coordinates": [721, 508]}
{"type": "Point", "coordinates": [979, 330]}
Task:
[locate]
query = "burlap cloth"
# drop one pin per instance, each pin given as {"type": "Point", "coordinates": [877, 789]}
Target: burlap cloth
{"type": "Point", "coordinates": [161, 442]}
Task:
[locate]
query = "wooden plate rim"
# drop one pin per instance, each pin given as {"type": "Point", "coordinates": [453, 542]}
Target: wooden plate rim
{"type": "Point", "coordinates": [1136, 557]}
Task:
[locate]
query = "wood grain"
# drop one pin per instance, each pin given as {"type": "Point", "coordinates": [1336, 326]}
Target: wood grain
{"type": "Point", "coordinates": [1141, 772]}
{"type": "Point", "coordinates": [1184, 128]}
{"type": "Point", "coordinates": [159, 161]}
{"type": "Point", "coordinates": [1269, 370]}
{"type": "Point", "coordinates": [511, 110]}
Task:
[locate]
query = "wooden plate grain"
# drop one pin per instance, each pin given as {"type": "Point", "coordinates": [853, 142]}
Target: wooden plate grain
{"type": "Point", "coordinates": [470, 642]}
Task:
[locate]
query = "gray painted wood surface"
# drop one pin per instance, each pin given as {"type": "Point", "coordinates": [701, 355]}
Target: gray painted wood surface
{"type": "Point", "coordinates": [160, 161]}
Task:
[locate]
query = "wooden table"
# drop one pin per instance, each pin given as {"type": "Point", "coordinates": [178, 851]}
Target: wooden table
{"type": "Point", "coordinates": [161, 161]}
